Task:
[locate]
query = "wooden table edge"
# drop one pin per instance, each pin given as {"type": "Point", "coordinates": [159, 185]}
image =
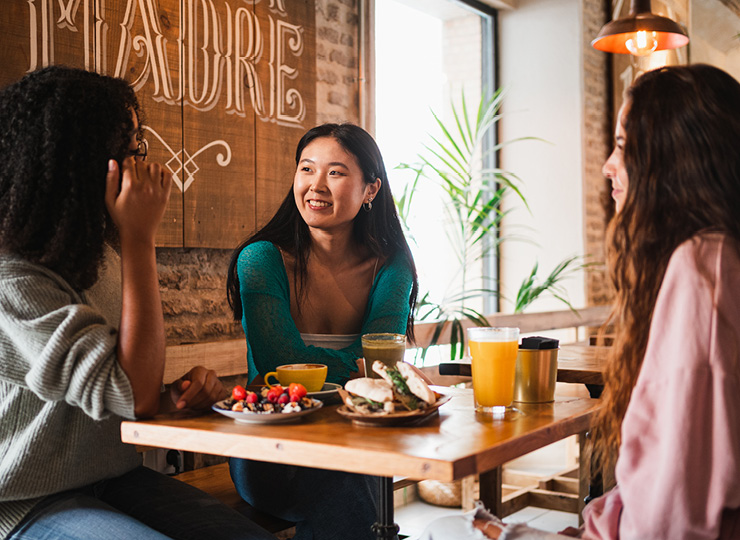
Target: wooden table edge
{"type": "Point", "coordinates": [279, 450]}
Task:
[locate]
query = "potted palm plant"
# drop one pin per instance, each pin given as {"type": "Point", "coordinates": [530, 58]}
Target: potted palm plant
{"type": "Point", "coordinates": [473, 194]}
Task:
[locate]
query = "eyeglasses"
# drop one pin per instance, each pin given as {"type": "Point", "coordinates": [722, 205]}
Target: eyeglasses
{"type": "Point", "coordinates": [141, 150]}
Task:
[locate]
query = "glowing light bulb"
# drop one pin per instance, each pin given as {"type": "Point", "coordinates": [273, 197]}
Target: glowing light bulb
{"type": "Point", "coordinates": [642, 44]}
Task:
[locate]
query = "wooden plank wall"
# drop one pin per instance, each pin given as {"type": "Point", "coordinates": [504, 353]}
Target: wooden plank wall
{"type": "Point", "coordinates": [227, 86]}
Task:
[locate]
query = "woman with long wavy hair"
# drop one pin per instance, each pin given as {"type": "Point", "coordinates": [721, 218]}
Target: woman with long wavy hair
{"type": "Point", "coordinates": [671, 404]}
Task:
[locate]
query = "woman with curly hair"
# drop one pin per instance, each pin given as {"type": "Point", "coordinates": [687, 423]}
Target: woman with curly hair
{"type": "Point", "coordinates": [81, 330]}
{"type": "Point", "coordinates": [671, 404]}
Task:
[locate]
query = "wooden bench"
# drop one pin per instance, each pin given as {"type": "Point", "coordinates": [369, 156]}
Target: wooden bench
{"type": "Point", "coordinates": [216, 481]}
{"type": "Point", "coordinates": [228, 358]}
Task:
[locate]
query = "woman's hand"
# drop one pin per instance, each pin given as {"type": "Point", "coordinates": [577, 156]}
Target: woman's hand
{"type": "Point", "coordinates": [136, 209]}
{"type": "Point", "coordinates": [138, 206]}
{"type": "Point", "coordinates": [361, 372]}
{"type": "Point", "coordinates": [199, 388]}
{"type": "Point", "coordinates": [487, 527]}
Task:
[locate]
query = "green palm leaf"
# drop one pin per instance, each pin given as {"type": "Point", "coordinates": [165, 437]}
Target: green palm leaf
{"type": "Point", "coordinates": [472, 202]}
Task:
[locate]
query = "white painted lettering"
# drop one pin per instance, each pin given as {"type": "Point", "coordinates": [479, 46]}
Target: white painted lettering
{"type": "Point", "coordinates": [218, 51]}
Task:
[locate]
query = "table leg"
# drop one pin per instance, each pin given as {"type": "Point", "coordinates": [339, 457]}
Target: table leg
{"type": "Point", "coordinates": [491, 492]}
{"type": "Point", "coordinates": [385, 528]}
{"type": "Point", "coordinates": [584, 475]}
{"type": "Point", "coordinates": [590, 485]}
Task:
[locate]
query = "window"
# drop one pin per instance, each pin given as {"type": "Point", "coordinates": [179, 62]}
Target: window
{"type": "Point", "coordinates": [427, 54]}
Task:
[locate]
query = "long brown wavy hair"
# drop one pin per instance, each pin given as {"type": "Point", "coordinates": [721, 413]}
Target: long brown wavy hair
{"type": "Point", "coordinates": [682, 155]}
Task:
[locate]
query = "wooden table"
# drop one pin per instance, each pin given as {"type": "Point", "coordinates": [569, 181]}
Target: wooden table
{"type": "Point", "coordinates": [450, 446]}
{"type": "Point", "coordinates": [581, 363]}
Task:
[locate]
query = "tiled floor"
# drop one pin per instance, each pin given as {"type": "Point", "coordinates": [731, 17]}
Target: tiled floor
{"type": "Point", "coordinates": [414, 518]}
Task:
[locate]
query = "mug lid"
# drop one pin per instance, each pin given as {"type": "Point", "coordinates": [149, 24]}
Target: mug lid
{"type": "Point", "coordinates": [539, 342]}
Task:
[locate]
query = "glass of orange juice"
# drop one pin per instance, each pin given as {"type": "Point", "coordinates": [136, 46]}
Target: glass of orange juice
{"type": "Point", "coordinates": [493, 352]}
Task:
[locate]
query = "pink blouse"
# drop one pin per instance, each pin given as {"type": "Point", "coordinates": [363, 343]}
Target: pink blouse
{"type": "Point", "coordinates": [678, 474]}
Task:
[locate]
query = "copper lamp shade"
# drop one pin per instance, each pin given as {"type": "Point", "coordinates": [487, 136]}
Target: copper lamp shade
{"type": "Point", "coordinates": [640, 33]}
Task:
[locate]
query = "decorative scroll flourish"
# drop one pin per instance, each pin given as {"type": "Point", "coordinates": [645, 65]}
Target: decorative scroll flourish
{"type": "Point", "coordinates": [182, 162]}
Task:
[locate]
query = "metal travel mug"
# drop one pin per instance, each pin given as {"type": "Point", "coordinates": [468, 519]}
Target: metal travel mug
{"type": "Point", "coordinates": [536, 374]}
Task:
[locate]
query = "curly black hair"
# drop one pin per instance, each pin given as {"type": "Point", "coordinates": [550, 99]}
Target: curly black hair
{"type": "Point", "coordinates": [59, 126]}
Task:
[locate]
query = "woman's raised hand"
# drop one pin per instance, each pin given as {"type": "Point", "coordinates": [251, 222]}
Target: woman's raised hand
{"type": "Point", "coordinates": [138, 205]}
{"type": "Point", "coordinates": [137, 208]}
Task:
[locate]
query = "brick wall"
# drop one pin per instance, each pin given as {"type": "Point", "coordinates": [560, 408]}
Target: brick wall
{"type": "Point", "coordinates": [597, 146]}
{"type": "Point", "coordinates": [337, 62]}
{"type": "Point", "coordinates": [193, 281]}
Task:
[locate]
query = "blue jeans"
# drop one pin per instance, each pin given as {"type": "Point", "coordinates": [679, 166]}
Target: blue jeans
{"type": "Point", "coordinates": [324, 505]}
{"type": "Point", "coordinates": [142, 505]}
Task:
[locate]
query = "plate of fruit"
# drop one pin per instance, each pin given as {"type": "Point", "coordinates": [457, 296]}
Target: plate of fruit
{"type": "Point", "coordinates": [267, 404]}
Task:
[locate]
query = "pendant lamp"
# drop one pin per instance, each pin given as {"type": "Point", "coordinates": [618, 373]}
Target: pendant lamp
{"type": "Point", "coordinates": [640, 33]}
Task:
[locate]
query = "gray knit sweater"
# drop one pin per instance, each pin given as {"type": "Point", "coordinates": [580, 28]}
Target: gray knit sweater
{"type": "Point", "coordinates": [62, 390]}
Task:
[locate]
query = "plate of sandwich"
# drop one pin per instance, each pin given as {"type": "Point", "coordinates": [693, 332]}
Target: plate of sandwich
{"type": "Point", "coordinates": [400, 397]}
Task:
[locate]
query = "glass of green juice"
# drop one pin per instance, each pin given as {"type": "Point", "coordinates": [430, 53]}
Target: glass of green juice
{"type": "Point", "coordinates": [386, 347]}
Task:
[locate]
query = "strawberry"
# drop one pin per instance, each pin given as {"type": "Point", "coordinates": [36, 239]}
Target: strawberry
{"type": "Point", "coordinates": [296, 391]}
{"type": "Point", "coordinates": [274, 393]}
{"type": "Point", "coordinates": [238, 393]}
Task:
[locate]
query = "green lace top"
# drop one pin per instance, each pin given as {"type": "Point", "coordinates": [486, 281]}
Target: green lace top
{"type": "Point", "coordinates": [272, 336]}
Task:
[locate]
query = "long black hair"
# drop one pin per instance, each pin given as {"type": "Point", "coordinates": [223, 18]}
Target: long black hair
{"type": "Point", "coordinates": [58, 128]}
{"type": "Point", "coordinates": [379, 230]}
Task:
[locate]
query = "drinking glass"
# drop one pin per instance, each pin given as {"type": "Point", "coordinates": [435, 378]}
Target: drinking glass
{"type": "Point", "coordinates": [386, 347]}
{"type": "Point", "coordinates": [493, 352]}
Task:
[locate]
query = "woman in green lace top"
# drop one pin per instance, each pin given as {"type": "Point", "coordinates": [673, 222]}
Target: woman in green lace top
{"type": "Point", "coordinates": [331, 265]}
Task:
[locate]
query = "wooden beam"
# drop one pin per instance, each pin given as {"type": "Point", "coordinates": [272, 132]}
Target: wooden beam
{"type": "Point", "coordinates": [520, 478]}
{"type": "Point", "coordinates": [560, 484]}
{"type": "Point", "coordinates": [526, 322]}
{"type": "Point", "coordinates": [554, 500]}
{"type": "Point", "coordinates": [226, 358]}
{"type": "Point", "coordinates": [514, 502]}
